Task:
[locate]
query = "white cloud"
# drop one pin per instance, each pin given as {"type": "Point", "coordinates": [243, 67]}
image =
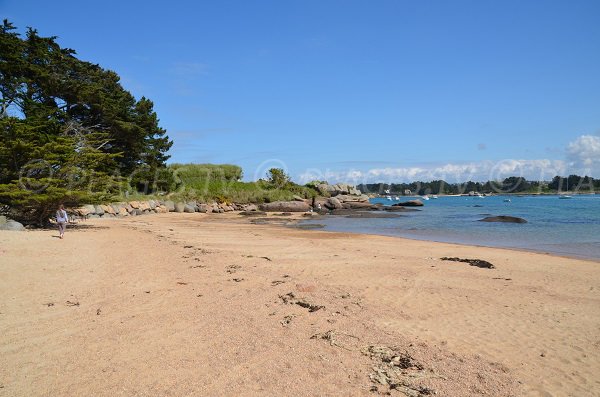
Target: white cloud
{"type": "Point", "coordinates": [584, 154]}
{"type": "Point", "coordinates": [582, 158]}
{"type": "Point", "coordinates": [542, 169]}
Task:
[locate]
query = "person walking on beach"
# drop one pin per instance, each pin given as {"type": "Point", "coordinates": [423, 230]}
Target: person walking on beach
{"type": "Point", "coordinates": [61, 220]}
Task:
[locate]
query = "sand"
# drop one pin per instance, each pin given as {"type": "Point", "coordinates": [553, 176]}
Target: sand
{"type": "Point", "coordinates": [195, 304]}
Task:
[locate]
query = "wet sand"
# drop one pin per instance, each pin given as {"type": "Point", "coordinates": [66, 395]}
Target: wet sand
{"type": "Point", "coordinates": [194, 304]}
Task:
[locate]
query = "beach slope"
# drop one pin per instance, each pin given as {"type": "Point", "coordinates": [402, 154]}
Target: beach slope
{"type": "Point", "coordinates": [194, 304]}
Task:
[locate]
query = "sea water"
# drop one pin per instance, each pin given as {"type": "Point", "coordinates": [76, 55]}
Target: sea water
{"type": "Point", "coordinates": [560, 226]}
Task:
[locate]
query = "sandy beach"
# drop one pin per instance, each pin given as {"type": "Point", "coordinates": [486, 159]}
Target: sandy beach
{"type": "Point", "coordinates": [207, 305]}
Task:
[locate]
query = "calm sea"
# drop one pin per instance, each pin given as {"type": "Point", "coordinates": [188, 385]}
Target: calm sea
{"type": "Point", "coordinates": [568, 227]}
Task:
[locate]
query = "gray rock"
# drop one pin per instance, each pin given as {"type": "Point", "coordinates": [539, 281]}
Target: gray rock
{"type": "Point", "coordinates": [325, 189]}
{"type": "Point", "coordinates": [179, 207]}
{"type": "Point", "coordinates": [358, 205]}
{"type": "Point", "coordinates": [152, 204]}
{"type": "Point", "coordinates": [250, 207]}
{"type": "Point", "coordinates": [188, 208]}
{"type": "Point", "coordinates": [170, 205]}
{"type": "Point", "coordinates": [333, 203]}
{"type": "Point", "coordinates": [285, 206]}
{"type": "Point", "coordinates": [253, 213]}
{"type": "Point", "coordinates": [98, 210]}
{"type": "Point", "coordinates": [138, 211]}
{"type": "Point", "coordinates": [298, 198]}
{"type": "Point", "coordinates": [410, 203]}
{"type": "Point", "coordinates": [87, 210]}
{"type": "Point", "coordinates": [11, 225]}
{"type": "Point", "coordinates": [503, 218]}
{"type": "Point", "coordinates": [3, 220]}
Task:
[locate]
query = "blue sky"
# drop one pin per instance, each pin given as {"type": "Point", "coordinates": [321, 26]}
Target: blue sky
{"type": "Point", "coordinates": [361, 91]}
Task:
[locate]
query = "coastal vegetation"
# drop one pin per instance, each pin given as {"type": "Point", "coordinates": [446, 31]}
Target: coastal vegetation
{"type": "Point", "coordinates": [513, 184]}
{"type": "Point", "coordinates": [69, 131]}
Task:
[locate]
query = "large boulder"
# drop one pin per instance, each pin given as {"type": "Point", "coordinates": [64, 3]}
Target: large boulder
{"type": "Point", "coordinates": [9, 224]}
{"type": "Point", "coordinates": [503, 218]}
{"type": "Point", "coordinates": [108, 209]}
{"type": "Point", "coordinates": [179, 207]}
{"type": "Point", "coordinates": [410, 203]}
{"type": "Point", "coordinates": [134, 204]}
{"type": "Point", "coordinates": [98, 210]}
{"type": "Point", "coordinates": [285, 206]}
{"type": "Point", "coordinates": [358, 205]}
{"type": "Point", "coordinates": [86, 210]}
{"type": "Point", "coordinates": [189, 208]}
{"type": "Point", "coordinates": [333, 203]}
{"type": "Point", "coordinates": [170, 205]}
{"type": "Point", "coordinates": [325, 189]}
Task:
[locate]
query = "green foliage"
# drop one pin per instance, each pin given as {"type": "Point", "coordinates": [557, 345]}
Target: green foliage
{"type": "Point", "coordinates": [278, 178]}
{"type": "Point", "coordinates": [194, 173]}
{"type": "Point", "coordinates": [41, 171]}
{"type": "Point", "coordinates": [75, 119]}
{"type": "Point", "coordinates": [221, 182]}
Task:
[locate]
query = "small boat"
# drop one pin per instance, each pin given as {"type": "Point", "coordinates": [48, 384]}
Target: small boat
{"type": "Point", "coordinates": [564, 197]}
{"type": "Point", "coordinates": [425, 197]}
{"type": "Point", "coordinates": [434, 196]}
{"type": "Point", "coordinates": [507, 200]}
{"type": "Point", "coordinates": [397, 198]}
{"type": "Point", "coordinates": [388, 197]}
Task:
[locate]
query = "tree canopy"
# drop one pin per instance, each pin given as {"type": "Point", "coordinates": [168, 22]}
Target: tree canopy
{"type": "Point", "coordinates": [68, 130]}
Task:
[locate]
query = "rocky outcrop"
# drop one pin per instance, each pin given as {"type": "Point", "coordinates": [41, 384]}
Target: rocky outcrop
{"type": "Point", "coordinates": [9, 224]}
{"type": "Point", "coordinates": [410, 203]}
{"type": "Point", "coordinates": [358, 205]}
{"type": "Point", "coordinates": [285, 206]}
{"type": "Point", "coordinates": [335, 190]}
{"type": "Point", "coordinates": [503, 218]}
{"type": "Point", "coordinates": [333, 203]}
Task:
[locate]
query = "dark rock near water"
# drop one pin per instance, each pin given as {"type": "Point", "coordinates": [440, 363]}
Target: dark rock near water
{"type": "Point", "coordinates": [503, 218]}
{"type": "Point", "coordinates": [309, 226]}
{"type": "Point", "coordinates": [253, 213]}
{"type": "Point", "coordinates": [398, 209]}
{"type": "Point", "coordinates": [358, 205]}
{"type": "Point", "coordinates": [410, 203]}
{"type": "Point", "coordinates": [371, 214]}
